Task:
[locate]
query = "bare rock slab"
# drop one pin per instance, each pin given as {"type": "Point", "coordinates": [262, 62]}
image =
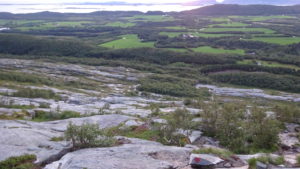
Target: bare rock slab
{"type": "Point", "coordinates": [136, 155]}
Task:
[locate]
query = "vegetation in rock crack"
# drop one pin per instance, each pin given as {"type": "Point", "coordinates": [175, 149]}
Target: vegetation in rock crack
{"type": "Point", "coordinates": [88, 135]}
{"type": "Point", "coordinates": [267, 159]}
{"type": "Point", "coordinates": [178, 127]}
{"type": "Point", "coordinates": [36, 93]}
{"type": "Point", "coordinates": [20, 162]}
{"type": "Point", "coordinates": [219, 152]}
{"type": "Point", "coordinates": [298, 160]}
{"type": "Point", "coordinates": [40, 115]}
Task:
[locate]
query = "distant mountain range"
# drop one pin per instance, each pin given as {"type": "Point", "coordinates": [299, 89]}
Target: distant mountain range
{"type": "Point", "coordinates": [229, 9]}
{"type": "Point", "coordinates": [191, 3]}
{"type": "Point", "coordinates": [245, 2]}
{"type": "Point", "coordinates": [210, 10]}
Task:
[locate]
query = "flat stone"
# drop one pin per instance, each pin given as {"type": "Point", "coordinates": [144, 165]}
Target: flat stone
{"type": "Point", "coordinates": [132, 123]}
{"type": "Point", "coordinates": [194, 136]}
{"type": "Point", "coordinates": [139, 154]}
{"type": "Point", "coordinates": [26, 137]}
{"type": "Point", "coordinates": [19, 139]}
{"type": "Point", "coordinates": [160, 121]}
{"type": "Point", "coordinates": [211, 158]}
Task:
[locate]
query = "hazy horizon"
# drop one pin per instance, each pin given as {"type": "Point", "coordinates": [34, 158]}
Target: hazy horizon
{"type": "Point", "coordinates": [86, 6]}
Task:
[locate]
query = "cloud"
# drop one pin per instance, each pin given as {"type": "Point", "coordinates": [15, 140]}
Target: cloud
{"type": "Point", "coordinates": [77, 1]}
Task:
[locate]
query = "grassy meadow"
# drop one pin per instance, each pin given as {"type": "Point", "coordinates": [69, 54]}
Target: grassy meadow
{"type": "Point", "coordinates": [127, 41]}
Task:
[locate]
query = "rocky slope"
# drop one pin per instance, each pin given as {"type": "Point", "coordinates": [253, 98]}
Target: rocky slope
{"type": "Point", "coordinates": [105, 98]}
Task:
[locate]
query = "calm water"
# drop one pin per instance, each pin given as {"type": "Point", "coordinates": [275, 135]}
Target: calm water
{"type": "Point", "coordinates": [91, 8]}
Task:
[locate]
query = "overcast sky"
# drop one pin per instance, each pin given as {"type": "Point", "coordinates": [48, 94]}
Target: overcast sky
{"type": "Point", "coordinates": [71, 1]}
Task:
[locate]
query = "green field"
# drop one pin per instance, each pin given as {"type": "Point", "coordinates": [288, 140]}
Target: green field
{"type": "Point", "coordinates": [51, 25]}
{"type": "Point", "coordinates": [220, 19]}
{"type": "Point", "coordinates": [127, 41]}
{"type": "Point", "coordinates": [120, 24]}
{"type": "Point", "coordinates": [262, 18]}
{"type": "Point", "coordinates": [230, 24]}
{"type": "Point", "coordinates": [177, 49]}
{"type": "Point", "coordinates": [267, 64]}
{"type": "Point", "coordinates": [175, 27]}
{"type": "Point", "coordinates": [264, 30]}
{"type": "Point", "coordinates": [172, 34]}
{"type": "Point", "coordinates": [208, 49]}
{"type": "Point", "coordinates": [196, 34]}
{"type": "Point", "coordinates": [18, 22]}
{"type": "Point", "coordinates": [278, 40]}
{"type": "Point", "coordinates": [150, 18]}
{"type": "Point", "coordinates": [208, 35]}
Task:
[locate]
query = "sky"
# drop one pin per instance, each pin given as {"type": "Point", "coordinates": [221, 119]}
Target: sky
{"type": "Point", "coordinates": [76, 1]}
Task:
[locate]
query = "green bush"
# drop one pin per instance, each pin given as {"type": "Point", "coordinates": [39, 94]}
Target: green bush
{"type": "Point", "coordinates": [24, 78]}
{"type": "Point", "coordinates": [44, 105]}
{"type": "Point", "coordinates": [145, 134]}
{"type": "Point", "coordinates": [266, 160]}
{"type": "Point", "coordinates": [288, 113]}
{"type": "Point", "coordinates": [57, 139]}
{"type": "Point", "coordinates": [298, 159]}
{"type": "Point", "coordinates": [36, 93]}
{"type": "Point", "coordinates": [219, 152]}
{"type": "Point", "coordinates": [258, 79]}
{"type": "Point", "coordinates": [14, 106]}
{"type": "Point", "coordinates": [262, 131]}
{"type": "Point", "coordinates": [173, 86]}
{"type": "Point", "coordinates": [19, 162]}
{"type": "Point", "coordinates": [179, 120]}
{"type": "Point", "coordinates": [238, 131]}
{"type": "Point", "coordinates": [88, 135]}
{"type": "Point", "coordinates": [49, 116]}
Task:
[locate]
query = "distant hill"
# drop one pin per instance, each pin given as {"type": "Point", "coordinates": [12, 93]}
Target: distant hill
{"type": "Point", "coordinates": [266, 2]}
{"type": "Point", "coordinates": [246, 2]}
{"type": "Point", "coordinates": [56, 15]}
{"type": "Point", "coordinates": [229, 9]}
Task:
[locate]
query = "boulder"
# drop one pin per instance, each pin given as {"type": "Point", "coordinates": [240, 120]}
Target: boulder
{"type": "Point", "coordinates": [19, 137]}
{"type": "Point", "coordinates": [22, 138]}
{"type": "Point", "coordinates": [211, 158]}
{"type": "Point", "coordinates": [133, 123]}
{"type": "Point", "coordinates": [136, 155]}
{"type": "Point", "coordinates": [195, 135]}
{"type": "Point", "coordinates": [204, 161]}
{"type": "Point", "coordinates": [160, 121]}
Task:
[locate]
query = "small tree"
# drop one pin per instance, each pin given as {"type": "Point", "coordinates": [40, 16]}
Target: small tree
{"type": "Point", "coordinates": [180, 119]}
{"type": "Point", "coordinates": [230, 130]}
{"type": "Point", "coordinates": [288, 113]}
{"type": "Point", "coordinates": [263, 130]}
{"type": "Point", "coordinates": [87, 135]}
{"type": "Point", "coordinates": [210, 115]}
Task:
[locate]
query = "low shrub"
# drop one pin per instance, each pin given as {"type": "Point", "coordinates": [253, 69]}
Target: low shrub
{"type": "Point", "coordinates": [36, 93]}
{"type": "Point", "coordinates": [19, 162]}
{"type": "Point", "coordinates": [298, 160]}
{"type": "Point", "coordinates": [88, 135]}
{"type": "Point", "coordinates": [219, 152]}
{"type": "Point", "coordinates": [173, 86]}
{"type": "Point", "coordinates": [240, 132]}
{"type": "Point", "coordinates": [49, 116]}
{"type": "Point", "coordinates": [44, 105]}
{"type": "Point", "coordinates": [57, 139]}
{"type": "Point", "coordinates": [266, 160]}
